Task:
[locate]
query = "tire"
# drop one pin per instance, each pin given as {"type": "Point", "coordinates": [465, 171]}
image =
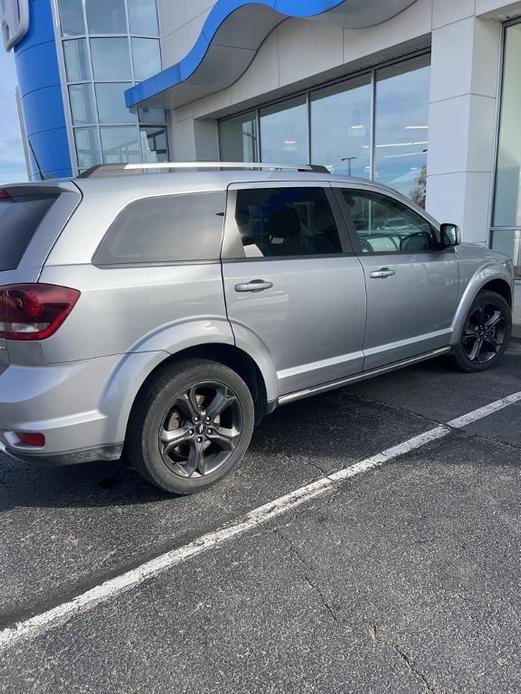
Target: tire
{"type": "Point", "coordinates": [191, 426]}
{"type": "Point", "coordinates": [486, 333]}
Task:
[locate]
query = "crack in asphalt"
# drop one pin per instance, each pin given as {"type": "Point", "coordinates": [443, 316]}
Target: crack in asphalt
{"type": "Point", "coordinates": [317, 467]}
{"type": "Point", "coordinates": [406, 410]}
{"type": "Point", "coordinates": [309, 579]}
{"type": "Point", "coordinates": [409, 662]}
{"type": "Point", "coordinates": [460, 432]}
{"type": "Point", "coordinates": [389, 406]}
{"type": "Point", "coordinates": [488, 439]}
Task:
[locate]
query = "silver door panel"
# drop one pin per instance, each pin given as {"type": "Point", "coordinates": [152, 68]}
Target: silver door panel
{"type": "Point", "coordinates": [311, 320]}
{"type": "Point", "coordinates": [411, 297]}
{"type": "Point", "coordinates": [410, 312]}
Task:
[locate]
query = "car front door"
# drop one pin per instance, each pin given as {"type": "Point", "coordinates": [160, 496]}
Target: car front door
{"type": "Point", "coordinates": [294, 288]}
{"type": "Point", "coordinates": [412, 284]}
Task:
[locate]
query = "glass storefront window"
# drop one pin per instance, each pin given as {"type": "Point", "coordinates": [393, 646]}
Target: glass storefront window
{"type": "Point", "coordinates": [239, 139]}
{"type": "Point", "coordinates": [375, 125]}
{"type": "Point", "coordinates": [71, 17]}
{"type": "Point", "coordinates": [82, 104]}
{"type": "Point", "coordinates": [154, 144]}
{"type": "Point", "coordinates": [106, 17]}
{"type": "Point", "coordinates": [402, 132]}
{"type": "Point", "coordinates": [147, 58]}
{"type": "Point", "coordinates": [120, 144]}
{"type": "Point", "coordinates": [341, 127]}
{"type": "Point", "coordinates": [104, 130]}
{"type": "Point", "coordinates": [111, 103]}
{"type": "Point", "coordinates": [76, 60]}
{"type": "Point", "coordinates": [110, 59]}
{"type": "Point", "coordinates": [143, 17]}
{"type": "Point", "coordinates": [152, 115]}
{"type": "Point", "coordinates": [87, 147]}
{"type": "Point", "coordinates": [284, 132]}
{"type": "Point", "coordinates": [507, 207]}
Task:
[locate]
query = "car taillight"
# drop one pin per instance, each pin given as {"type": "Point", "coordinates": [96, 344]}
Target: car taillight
{"type": "Point", "coordinates": [29, 439]}
{"type": "Point", "coordinates": [34, 311]}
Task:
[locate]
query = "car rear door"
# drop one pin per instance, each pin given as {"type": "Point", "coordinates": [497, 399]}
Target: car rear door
{"type": "Point", "coordinates": [294, 288]}
{"type": "Point", "coordinates": [412, 284]}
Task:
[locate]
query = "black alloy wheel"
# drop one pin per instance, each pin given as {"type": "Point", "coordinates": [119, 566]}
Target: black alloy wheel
{"type": "Point", "coordinates": [190, 426]}
{"type": "Point", "coordinates": [486, 333]}
{"type": "Point", "coordinates": [201, 430]}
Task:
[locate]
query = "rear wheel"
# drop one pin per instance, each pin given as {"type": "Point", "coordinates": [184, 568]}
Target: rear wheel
{"type": "Point", "coordinates": [192, 426]}
{"type": "Point", "coordinates": [486, 333]}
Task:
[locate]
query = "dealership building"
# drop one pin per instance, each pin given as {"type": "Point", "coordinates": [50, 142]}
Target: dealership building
{"type": "Point", "coordinates": [423, 95]}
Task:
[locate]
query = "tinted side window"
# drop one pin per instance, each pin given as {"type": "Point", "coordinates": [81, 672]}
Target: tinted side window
{"type": "Point", "coordinates": [279, 222]}
{"type": "Point", "coordinates": [385, 225]}
{"type": "Point", "coordinates": [20, 216]}
{"type": "Point", "coordinates": [165, 230]}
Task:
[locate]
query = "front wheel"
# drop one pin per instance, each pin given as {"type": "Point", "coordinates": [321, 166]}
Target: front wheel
{"type": "Point", "coordinates": [486, 333]}
{"type": "Point", "coordinates": [191, 426]}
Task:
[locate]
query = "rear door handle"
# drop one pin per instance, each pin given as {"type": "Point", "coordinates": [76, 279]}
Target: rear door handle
{"type": "Point", "coordinates": [254, 286]}
{"type": "Point", "coordinates": [383, 273]}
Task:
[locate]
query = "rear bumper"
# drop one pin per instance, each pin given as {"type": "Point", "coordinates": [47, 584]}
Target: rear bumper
{"type": "Point", "coordinates": [62, 402]}
{"type": "Point", "coordinates": [89, 455]}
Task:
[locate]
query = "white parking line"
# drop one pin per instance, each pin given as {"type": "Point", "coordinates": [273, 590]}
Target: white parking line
{"type": "Point", "coordinates": [482, 412]}
{"type": "Point", "coordinates": [41, 623]}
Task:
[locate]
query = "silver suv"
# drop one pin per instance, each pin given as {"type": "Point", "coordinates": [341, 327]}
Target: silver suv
{"type": "Point", "coordinates": [159, 317]}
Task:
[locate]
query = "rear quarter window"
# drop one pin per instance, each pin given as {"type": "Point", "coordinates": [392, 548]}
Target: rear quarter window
{"type": "Point", "coordinates": [167, 229]}
{"type": "Point", "coordinates": [20, 217]}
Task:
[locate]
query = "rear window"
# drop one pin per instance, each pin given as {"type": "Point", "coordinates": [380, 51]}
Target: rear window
{"type": "Point", "coordinates": [20, 217]}
{"type": "Point", "coordinates": [167, 229]}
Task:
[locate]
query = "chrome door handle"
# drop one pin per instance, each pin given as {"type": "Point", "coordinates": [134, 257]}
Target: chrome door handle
{"type": "Point", "coordinates": [254, 286]}
{"type": "Point", "coordinates": [382, 274]}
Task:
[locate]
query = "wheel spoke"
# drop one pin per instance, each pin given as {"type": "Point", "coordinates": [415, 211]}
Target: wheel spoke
{"type": "Point", "coordinates": [226, 439]}
{"type": "Point", "coordinates": [221, 401]}
{"type": "Point", "coordinates": [480, 312]}
{"type": "Point", "coordinates": [476, 349]}
{"type": "Point", "coordinates": [494, 320]}
{"type": "Point", "coordinates": [174, 438]}
{"type": "Point", "coordinates": [494, 343]}
{"type": "Point", "coordinates": [195, 462]}
{"type": "Point", "coordinates": [189, 400]}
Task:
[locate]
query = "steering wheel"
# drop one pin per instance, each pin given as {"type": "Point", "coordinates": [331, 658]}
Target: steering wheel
{"type": "Point", "coordinates": [413, 242]}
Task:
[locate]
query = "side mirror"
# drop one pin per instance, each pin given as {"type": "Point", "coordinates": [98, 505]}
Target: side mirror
{"type": "Point", "coordinates": [450, 235]}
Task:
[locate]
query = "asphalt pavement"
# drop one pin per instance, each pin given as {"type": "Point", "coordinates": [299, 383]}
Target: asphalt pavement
{"type": "Point", "coordinates": [401, 579]}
